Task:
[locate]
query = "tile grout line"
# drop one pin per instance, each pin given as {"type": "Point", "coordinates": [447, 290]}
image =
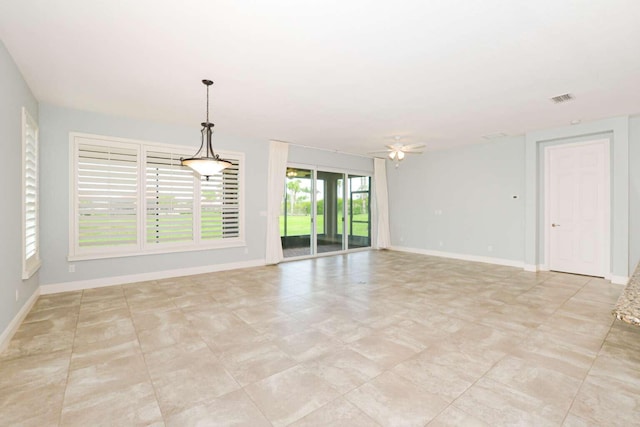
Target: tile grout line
{"type": "Point", "coordinates": [573, 401]}
{"type": "Point", "coordinates": [241, 387]}
{"type": "Point", "coordinates": [73, 343]}
{"type": "Point", "coordinates": [155, 392]}
{"type": "Point", "coordinates": [452, 403]}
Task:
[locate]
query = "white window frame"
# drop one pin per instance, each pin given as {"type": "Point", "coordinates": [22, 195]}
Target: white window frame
{"type": "Point", "coordinates": [77, 253]}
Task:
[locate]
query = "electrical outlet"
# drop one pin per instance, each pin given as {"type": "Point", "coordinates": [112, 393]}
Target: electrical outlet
{"type": "Point", "coordinates": [72, 268]}
{"type": "Point", "coordinates": [440, 243]}
{"type": "Point", "coordinates": [17, 294]}
{"type": "Point", "coordinates": [490, 248]}
{"type": "Point", "coordinates": [246, 251]}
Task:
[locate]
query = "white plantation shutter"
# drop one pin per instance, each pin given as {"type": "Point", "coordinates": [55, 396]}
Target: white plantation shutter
{"type": "Point", "coordinates": [30, 195]}
{"type": "Point", "coordinates": [220, 204]}
{"type": "Point", "coordinates": [106, 194]}
{"type": "Point", "coordinates": [169, 196]}
{"type": "Point", "coordinates": [133, 197]}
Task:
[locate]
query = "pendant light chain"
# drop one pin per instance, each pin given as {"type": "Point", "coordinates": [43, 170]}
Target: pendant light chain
{"type": "Point", "coordinates": [211, 163]}
{"type": "Point", "coordinates": [207, 103]}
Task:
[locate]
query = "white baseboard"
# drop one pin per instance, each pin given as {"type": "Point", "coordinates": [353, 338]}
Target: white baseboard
{"type": "Point", "coordinates": [15, 323]}
{"type": "Point", "coordinates": [532, 268]}
{"type": "Point", "coordinates": [155, 275]}
{"type": "Point", "coordinates": [619, 280]}
{"type": "Point", "coordinates": [464, 257]}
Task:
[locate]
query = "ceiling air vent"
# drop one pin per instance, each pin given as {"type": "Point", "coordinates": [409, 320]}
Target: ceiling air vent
{"type": "Point", "coordinates": [562, 98]}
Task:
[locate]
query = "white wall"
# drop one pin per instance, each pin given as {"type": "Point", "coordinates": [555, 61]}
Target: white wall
{"type": "Point", "coordinates": [55, 125]}
{"type": "Point", "coordinates": [634, 192]}
{"type": "Point", "coordinates": [473, 188]}
{"type": "Point", "coordinates": [14, 94]}
{"type": "Point", "coordinates": [329, 160]}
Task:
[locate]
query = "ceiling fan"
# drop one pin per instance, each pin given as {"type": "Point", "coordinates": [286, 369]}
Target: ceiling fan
{"type": "Point", "coordinates": [397, 151]}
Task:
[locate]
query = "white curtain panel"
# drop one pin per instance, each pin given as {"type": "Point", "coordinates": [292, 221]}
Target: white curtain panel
{"type": "Point", "coordinates": [383, 235]}
{"type": "Point", "coordinates": [278, 155]}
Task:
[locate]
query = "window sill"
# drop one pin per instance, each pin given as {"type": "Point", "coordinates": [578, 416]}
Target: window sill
{"type": "Point", "coordinates": [30, 269]}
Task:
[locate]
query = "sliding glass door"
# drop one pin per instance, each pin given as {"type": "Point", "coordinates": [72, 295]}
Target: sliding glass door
{"type": "Point", "coordinates": [315, 219]}
{"type": "Point", "coordinates": [329, 208]}
{"type": "Point", "coordinates": [358, 211]}
{"type": "Point", "coordinates": [296, 219]}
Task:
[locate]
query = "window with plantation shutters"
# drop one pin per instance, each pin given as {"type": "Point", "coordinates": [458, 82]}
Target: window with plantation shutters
{"type": "Point", "coordinates": [220, 204]}
{"type": "Point", "coordinates": [106, 194]}
{"type": "Point", "coordinates": [169, 198]}
{"type": "Point", "coordinates": [133, 197]}
{"type": "Point", "coordinates": [30, 196]}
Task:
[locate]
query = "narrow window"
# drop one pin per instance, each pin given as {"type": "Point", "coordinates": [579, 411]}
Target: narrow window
{"type": "Point", "coordinates": [30, 196]}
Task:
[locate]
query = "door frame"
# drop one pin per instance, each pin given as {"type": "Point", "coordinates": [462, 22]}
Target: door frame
{"type": "Point", "coordinates": [606, 225]}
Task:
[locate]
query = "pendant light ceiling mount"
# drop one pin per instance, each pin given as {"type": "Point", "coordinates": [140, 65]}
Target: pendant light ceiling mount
{"type": "Point", "coordinates": [206, 162]}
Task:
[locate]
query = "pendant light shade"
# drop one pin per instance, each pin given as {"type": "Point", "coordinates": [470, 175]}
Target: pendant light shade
{"type": "Point", "coordinates": [206, 162]}
{"type": "Point", "coordinates": [205, 166]}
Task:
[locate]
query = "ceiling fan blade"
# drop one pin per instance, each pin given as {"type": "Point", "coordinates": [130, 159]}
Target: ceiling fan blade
{"type": "Point", "coordinates": [413, 152]}
{"type": "Point", "coordinates": [392, 147]}
{"type": "Point", "coordinates": [380, 152]}
{"type": "Point", "coordinates": [413, 146]}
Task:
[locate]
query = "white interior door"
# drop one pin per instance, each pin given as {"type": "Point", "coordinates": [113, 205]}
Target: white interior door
{"type": "Point", "coordinates": [577, 218]}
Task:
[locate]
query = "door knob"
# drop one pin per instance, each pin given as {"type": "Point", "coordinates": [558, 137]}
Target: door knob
{"type": "Point", "coordinates": [555, 225]}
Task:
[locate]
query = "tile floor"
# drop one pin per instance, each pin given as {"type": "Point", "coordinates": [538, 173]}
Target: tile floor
{"type": "Point", "coordinates": [365, 339]}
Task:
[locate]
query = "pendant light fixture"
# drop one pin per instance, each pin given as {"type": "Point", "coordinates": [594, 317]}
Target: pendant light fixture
{"type": "Point", "coordinates": [205, 162]}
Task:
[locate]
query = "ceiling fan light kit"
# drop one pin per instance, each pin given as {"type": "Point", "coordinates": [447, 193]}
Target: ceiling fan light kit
{"type": "Point", "coordinates": [206, 162]}
{"type": "Point", "coordinates": [398, 151]}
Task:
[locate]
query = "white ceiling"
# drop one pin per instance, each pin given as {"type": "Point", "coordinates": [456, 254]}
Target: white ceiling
{"type": "Point", "coordinates": [336, 74]}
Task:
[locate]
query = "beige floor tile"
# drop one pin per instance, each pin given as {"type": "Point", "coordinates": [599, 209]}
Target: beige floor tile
{"type": "Point", "coordinates": [232, 339]}
{"type": "Point", "coordinates": [184, 376]}
{"type": "Point", "coordinates": [454, 417]}
{"type": "Point", "coordinates": [25, 344]}
{"type": "Point", "coordinates": [281, 328]}
{"type": "Point", "coordinates": [65, 299]}
{"type": "Point", "coordinates": [253, 362]}
{"type": "Point", "coordinates": [95, 381]}
{"type": "Point", "coordinates": [604, 401]}
{"type": "Point", "coordinates": [39, 369]}
{"type": "Point", "coordinates": [233, 409]}
{"type": "Point", "coordinates": [338, 413]}
{"type": "Point", "coordinates": [343, 328]}
{"type": "Point", "coordinates": [446, 369]}
{"type": "Point", "coordinates": [122, 328]}
{"type": "Point", "coordinates": [308, 345]}
{"type": "Point", "coordinates": [500, 405]}
{"type": "Point", "coordinates": [31, 404]}
{"type": "Point", "coordinates": [260, 313]}
{"type": "Point", "coordinates": [64, 314]}
{"type": "Point", "coordinates": [104, 304]}
{"type": "Point", "coordinates": [384, 350]}
{"type": "Point", "coordinates": [131, 405]}
{"type": "Point", "coordinates": [98, 352]}
{"type": "Point", "coordinates": [392, 400]}
{"type": "Point", "coordinates": [107, 315]}
{"type": "Point", "coordinates": [290, 395]}
{"type": "Point", "coordinates": [344, 370]}
{"type": "Point", "coordinates": [555, 389]}
{"type": "Point", "coordinates": [401, 334]}
{"type": "Point", "coordinates": [102, 294]}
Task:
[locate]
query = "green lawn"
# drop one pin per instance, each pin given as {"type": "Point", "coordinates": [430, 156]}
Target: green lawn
{"type": "Point", "coordinates": [300, 225]}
